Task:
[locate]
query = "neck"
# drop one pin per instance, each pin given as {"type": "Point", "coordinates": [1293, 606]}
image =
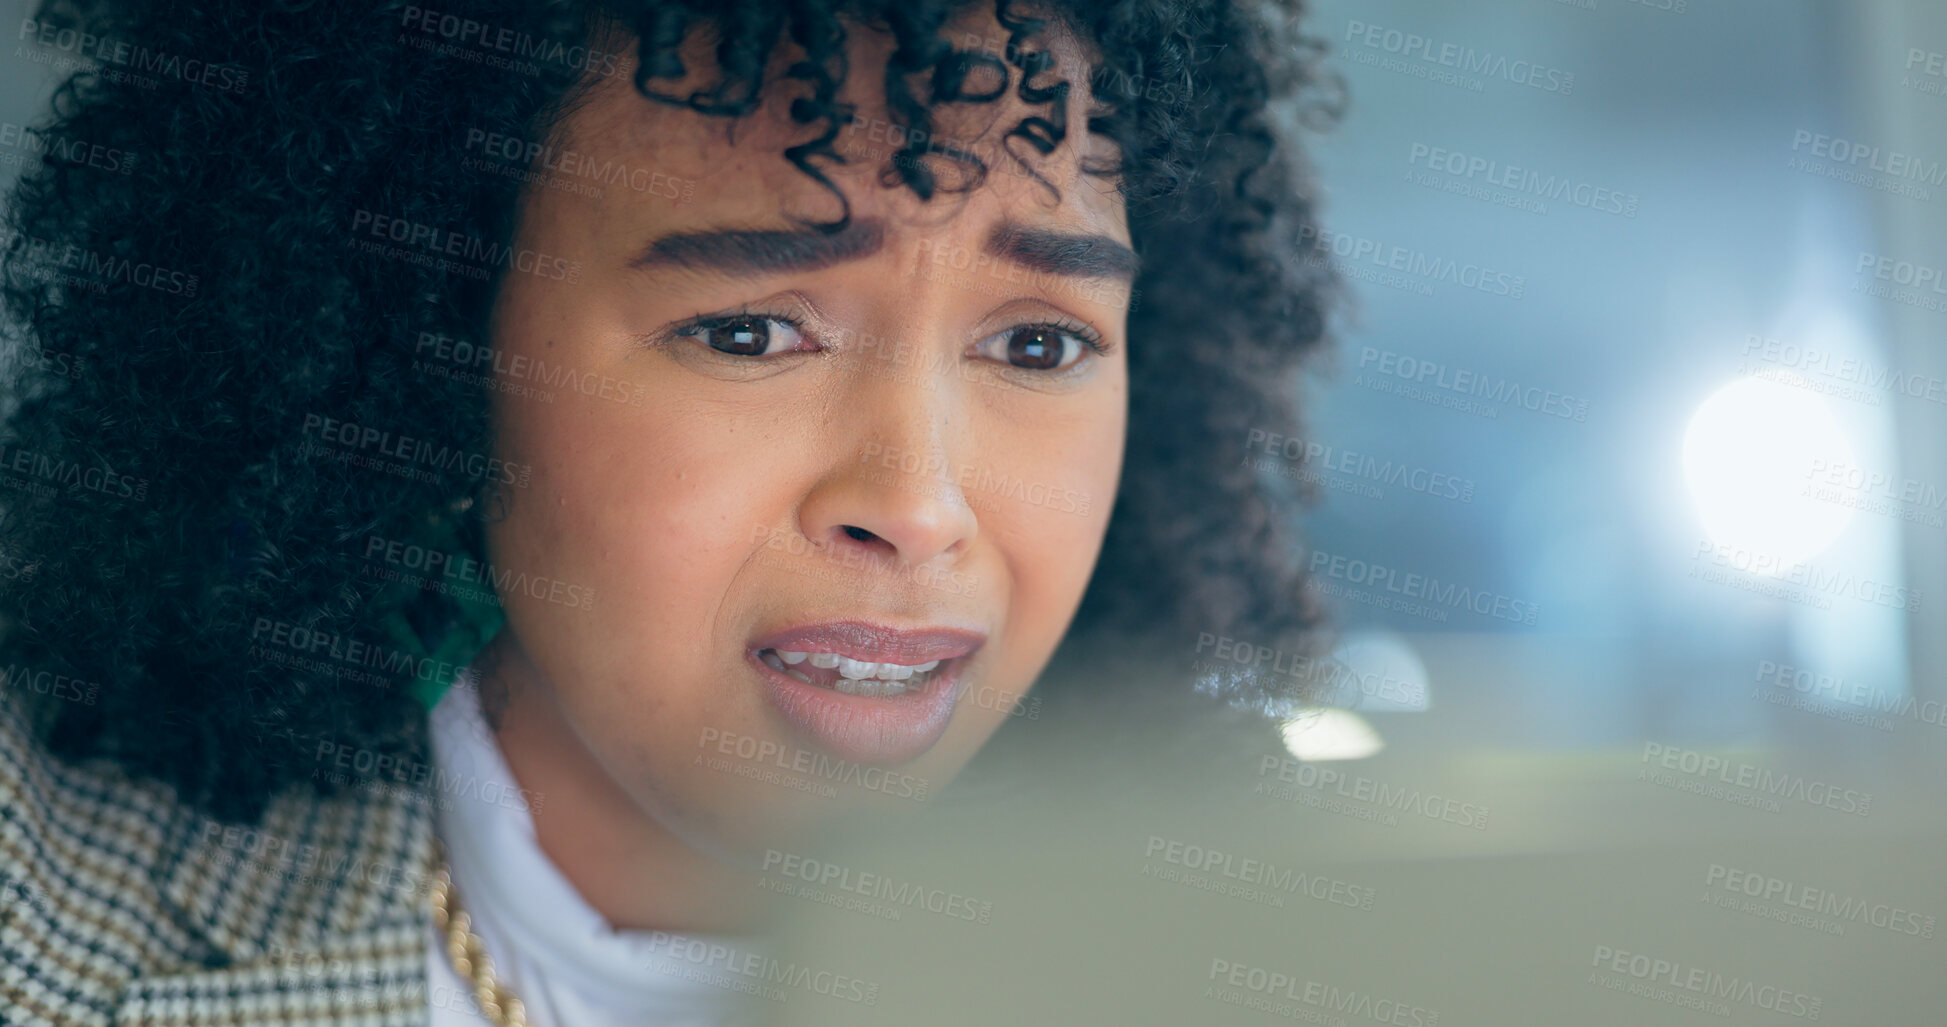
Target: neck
{"type": "Point", "coordinates": [626, 866]}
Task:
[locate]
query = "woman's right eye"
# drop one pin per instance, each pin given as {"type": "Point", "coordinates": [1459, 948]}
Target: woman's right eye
{"type": "Point", "coordinates": [748, 336]}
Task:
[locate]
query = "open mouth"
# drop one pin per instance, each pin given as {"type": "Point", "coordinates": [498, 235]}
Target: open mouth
{"type": "Point", "coordinates": [864, 692]}
{"type": "Point", "coordinates": [853, 677]}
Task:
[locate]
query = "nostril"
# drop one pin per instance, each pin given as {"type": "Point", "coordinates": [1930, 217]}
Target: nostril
{"type": "Point", "coordinates": [859, 534]}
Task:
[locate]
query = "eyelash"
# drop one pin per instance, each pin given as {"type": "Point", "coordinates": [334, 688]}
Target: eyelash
{"type": "Point", "coordinates": [1085, 334]}
{"type": "Point", "coordinates": [1088, 335]}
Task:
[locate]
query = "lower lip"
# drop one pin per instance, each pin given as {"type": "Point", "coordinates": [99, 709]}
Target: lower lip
{"type": "Point", "coordinates": [875, 730]}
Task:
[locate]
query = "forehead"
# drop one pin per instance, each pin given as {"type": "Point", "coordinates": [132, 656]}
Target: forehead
{"type": "Point", "coordinates": [736, 171]}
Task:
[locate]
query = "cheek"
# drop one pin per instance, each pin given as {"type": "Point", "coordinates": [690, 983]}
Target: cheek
{"type": "Point", "coordinates": [1046, 509]}
{"type": "Point", "coordinates": [654, 507]}
{"type": "Point", "coordinates": [662, 532]}
{"type": "Point", "coordinates": [1055, 485]}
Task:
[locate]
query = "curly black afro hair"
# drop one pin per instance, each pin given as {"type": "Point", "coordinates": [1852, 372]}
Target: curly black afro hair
{"type": "Point", "coordinates": [188, 310]}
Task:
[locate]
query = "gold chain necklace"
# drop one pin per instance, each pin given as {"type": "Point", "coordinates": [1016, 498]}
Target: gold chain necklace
{"type": "Point", "coordinates": [468, 953]}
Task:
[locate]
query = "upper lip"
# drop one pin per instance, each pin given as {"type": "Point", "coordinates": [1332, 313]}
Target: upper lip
{"type": "Point", "coordinates": [875, 643]}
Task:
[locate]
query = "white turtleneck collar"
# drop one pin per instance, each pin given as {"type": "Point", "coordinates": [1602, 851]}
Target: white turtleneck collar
{"type": "Point", "coordinates": [549, 947]}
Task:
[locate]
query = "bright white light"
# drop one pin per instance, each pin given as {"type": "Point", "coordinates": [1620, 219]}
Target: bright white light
{"type": "Point", "coordinates": [1750, 455]}
{"type": "Point", "coordinates": [1376, 671]}
{"type": "Point", "coordinates": [1329, 733]}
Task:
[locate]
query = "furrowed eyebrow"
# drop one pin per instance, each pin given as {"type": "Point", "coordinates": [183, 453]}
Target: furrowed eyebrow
{"type": "Point", "coordinates": [1069, 254]}
{"type": "Point", "coordinates": [751, 252]}
{"type": "Point", "coordinates": [755, 252]}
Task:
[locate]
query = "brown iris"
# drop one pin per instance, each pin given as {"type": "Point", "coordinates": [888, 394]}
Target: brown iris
{"type": "Point", "coordinates": [1037, 349]}
{"type": "Point", "coordinates": [744, 337]}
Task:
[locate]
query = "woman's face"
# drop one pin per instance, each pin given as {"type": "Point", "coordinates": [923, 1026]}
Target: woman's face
{"type": "Point", "coordinates": [895, 446]}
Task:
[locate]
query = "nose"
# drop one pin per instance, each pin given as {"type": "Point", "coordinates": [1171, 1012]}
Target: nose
{"type": "Point", "coordinates": [896, 491]}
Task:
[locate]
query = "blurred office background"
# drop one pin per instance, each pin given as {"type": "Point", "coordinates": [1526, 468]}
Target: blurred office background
{"type": "Point", "coordinates": [1648, 341]}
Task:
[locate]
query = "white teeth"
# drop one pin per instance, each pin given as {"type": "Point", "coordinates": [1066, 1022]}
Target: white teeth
{"type": "Point", "coordinates": [855, 677]}
{"type": "Point", "coordinates": [864, 670]}
{"type": "Point", "coordinates": [857, 670]}
{"type": "Point", "coordinates": [771, 659]}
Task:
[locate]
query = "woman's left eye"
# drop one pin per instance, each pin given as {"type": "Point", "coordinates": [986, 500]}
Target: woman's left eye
{"type": "Point", "coordinates": [747, 335]}
{"type": "Point", "coordinates": [1037, 347]}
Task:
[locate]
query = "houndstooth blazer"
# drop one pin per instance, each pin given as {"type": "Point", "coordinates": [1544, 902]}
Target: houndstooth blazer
{"type": "Point", "coordinates": [121, 905]}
